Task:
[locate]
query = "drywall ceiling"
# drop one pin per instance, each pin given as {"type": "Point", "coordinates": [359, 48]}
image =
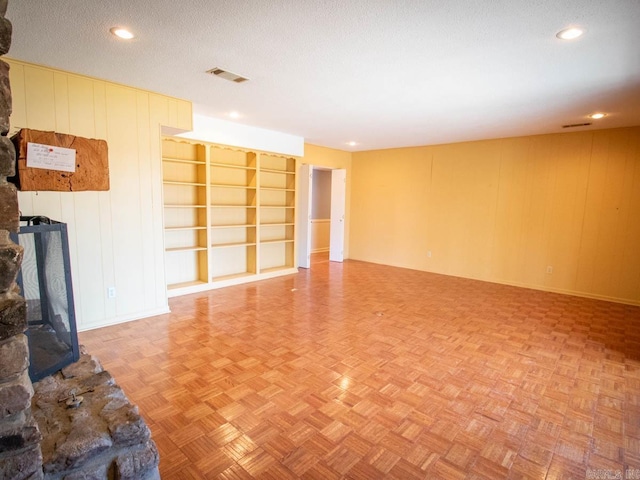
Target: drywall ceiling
{"type": "Point", "coordinates": [383, 73]}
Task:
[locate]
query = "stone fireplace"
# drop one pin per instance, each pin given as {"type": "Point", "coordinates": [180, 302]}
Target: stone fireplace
{"type": "Point", "coordinates": [20, 454]}
{"type": "Point", "coordinates": [77, 423]}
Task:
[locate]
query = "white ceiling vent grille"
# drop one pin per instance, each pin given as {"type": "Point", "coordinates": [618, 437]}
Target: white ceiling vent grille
{"type": "Point", "coordinates": [232, 77]}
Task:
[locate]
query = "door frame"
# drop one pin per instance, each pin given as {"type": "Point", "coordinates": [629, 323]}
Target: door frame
{"type": "Point", "coordinates": [303, 227]}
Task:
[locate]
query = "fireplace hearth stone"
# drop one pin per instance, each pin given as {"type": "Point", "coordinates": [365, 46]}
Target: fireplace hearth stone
{"type": "Point", "coordinates": [103, 438]}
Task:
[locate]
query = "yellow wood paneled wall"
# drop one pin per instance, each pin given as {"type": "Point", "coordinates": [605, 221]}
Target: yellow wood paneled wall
{"type": "Point", "coordinates": [115, 237]}
{"type": "Point", "coordinates": [507, 210]}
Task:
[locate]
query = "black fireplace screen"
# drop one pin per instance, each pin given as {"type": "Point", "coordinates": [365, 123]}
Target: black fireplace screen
{"type": "Point", "coordinates": [45, 280]}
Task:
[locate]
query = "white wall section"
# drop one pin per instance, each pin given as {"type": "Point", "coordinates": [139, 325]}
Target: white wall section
{"type": "Point", "coordinates": [208, 129]}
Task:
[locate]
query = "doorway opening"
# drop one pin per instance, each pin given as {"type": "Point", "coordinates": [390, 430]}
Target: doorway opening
{"type": "Point", "coordinates": [321, 213]}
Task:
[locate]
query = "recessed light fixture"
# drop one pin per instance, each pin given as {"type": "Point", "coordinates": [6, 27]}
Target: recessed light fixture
{"type": "Point", "coordinates": [570, 33]}
{"type": "Point", "coordinates": [122, 33]}
{"type": "Point", "coordinates": [352, 144]}
{"type": "Point", "coordinates": [234, 115]}
{"type": "Point", "coordinates": [597, 116]}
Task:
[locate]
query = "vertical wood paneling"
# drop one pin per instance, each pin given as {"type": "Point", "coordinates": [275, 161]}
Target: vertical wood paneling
{"type": "Point", "coordinates": [470, 188]}
{"type": "Point", "coordinates": [173, 112]}
{"type": "Point", "coordinates": [61, 98]}
{"type": "Point", "coordinates": [79, 209]}
{"type": "Point", "coordinates": [107, 251]}
{"type": "Point", "coordinates": [507, 260]}
{"type": "Point", "coordinates": [570, 168]}
{"type": "Point", "coordinates": [115, 236]}
{"type": "Point", "coordinates": [630, 276]}
{"type": "Point", "coordinates": [40, 97]}
{"type": "Point", "coordinates": [19, 107]}
{"type": "Point", "coordinates": [125, 198]}
{"type": "Point", "coordinates": [145, 188]}
{"type": "Point", "coordinates": [158, 116]}
{"type": "Point", "coordinates": [393, 209]}
{"type": "Point", "coordinates": [597, 219]}
{"type": "Point", "coordinates": [185, 116]}
{"type": "Point", "coordinates": [415, 224]}
{"type": "Point", "coordinates": [627, 264]}
{"type": "Point", "coordinates": [568, 201]}
{"type": "Point", "coordinates": [89, 261]}
{"type": "Point", "coordinates": [81, 107]}
{"type": "Point", "coordinates": [537, 190]}
{"type": "Point", "coordinates": [369, 217]}
{"type": "Point", "coordinates": [609, 259]}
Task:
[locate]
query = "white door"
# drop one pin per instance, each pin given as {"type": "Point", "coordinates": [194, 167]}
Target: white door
{"type": "Point", "coordinates": [338, 196]}
{"type": "Point", "coordinates": [305, 192]}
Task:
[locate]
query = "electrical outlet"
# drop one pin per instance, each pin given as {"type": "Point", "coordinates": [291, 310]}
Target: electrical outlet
{"type": "Point", "coordinates": [111, 292]}
{"type": "Point", "coordinates": [549, 269]}
{"type": "Point", "coordinates": [429, 254]}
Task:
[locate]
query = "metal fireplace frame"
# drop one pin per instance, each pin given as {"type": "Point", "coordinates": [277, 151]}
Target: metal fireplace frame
{"type": "Point", "coordinates": [36, 226]}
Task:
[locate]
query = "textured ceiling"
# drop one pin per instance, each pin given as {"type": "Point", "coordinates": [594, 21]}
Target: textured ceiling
{"type": "Point", "coordinates": [383, 73]}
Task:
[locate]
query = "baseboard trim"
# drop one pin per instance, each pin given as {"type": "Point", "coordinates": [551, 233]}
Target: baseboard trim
{"type": "Point", "coordinates": [230, 282]}
{"type": "Point", "coordinates": [124, 319]}
{"type": "Point", "coordinates": [542, 288]}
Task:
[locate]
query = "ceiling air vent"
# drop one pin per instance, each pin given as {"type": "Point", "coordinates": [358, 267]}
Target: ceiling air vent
{"type": "Point", "coordinates": [574, 125]}
{"type": "Point", "coordinates": [232, 77]}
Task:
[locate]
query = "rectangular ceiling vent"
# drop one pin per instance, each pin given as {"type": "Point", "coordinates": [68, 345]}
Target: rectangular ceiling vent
{"type": "Point", "coordinates": [574, 125]}
{"type": "Point", "coordinates": [232, 77]}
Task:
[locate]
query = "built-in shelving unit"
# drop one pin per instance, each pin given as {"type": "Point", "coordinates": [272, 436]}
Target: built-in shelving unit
{"type": "Point", "coordinates": [185, 180]}
{"type": "Point", "coordinates": [277, 202]}
{"type": "Point", "coordinates": [234, 192]}
{"type": "Point", "coordinates": [229, 215]}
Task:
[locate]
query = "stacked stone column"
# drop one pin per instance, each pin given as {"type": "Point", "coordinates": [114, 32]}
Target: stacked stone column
{"type": "Point", "coordinates": [20, 455]}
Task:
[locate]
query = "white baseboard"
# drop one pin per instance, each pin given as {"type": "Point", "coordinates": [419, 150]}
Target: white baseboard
{"type": "Point", "coordinates": [123, 319]}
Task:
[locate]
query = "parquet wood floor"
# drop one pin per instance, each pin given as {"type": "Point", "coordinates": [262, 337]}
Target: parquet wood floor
{"type": "Point", "coordinates": [363, 371]}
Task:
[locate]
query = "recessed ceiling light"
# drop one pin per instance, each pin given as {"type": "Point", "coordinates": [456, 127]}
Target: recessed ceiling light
{"type": "Point", "coordinates": [569, 33]}
{"type": "Point", "coordinates": [234, 114]}
{"type": "Point", "coordinates": [122, 33]}
{"type": "Point", "coordinates": [352, 144]}
{"type": "Point", "coordinates": [597, 116]}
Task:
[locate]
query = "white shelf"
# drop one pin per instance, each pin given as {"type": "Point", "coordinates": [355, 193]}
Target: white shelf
{"type": "Point", "coordinates": [177, 229]}
{"type": "Point", "coordinates": [226, 185]}
{"type": "Point", "coordinates": [175, 286]}
{"type": "Point", "coordinates": [232, 206]}
{"type": "Point", "coordinates": [184, 206]}
{"type": "Point", "coordinates": [233, 276]}
{"type": "Point", "coordinates": [246, 225]}
{"type": "Point", "coordinates": [227, 245]}
{"type": "Point", "coordinates": [228, 165]}
{"type": "Point", "coordinates": [279, 240]}
{"type": "Point", "coordinates": [270, 170]}
{"type": "Point", "coordinates": [275, 269]}
{"type": "Point", "coordinates": [183, 160]}
{"type": "Point", "coordinates": [185, 249]}
{"type": "Point", "coordinates": [185, 184]}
